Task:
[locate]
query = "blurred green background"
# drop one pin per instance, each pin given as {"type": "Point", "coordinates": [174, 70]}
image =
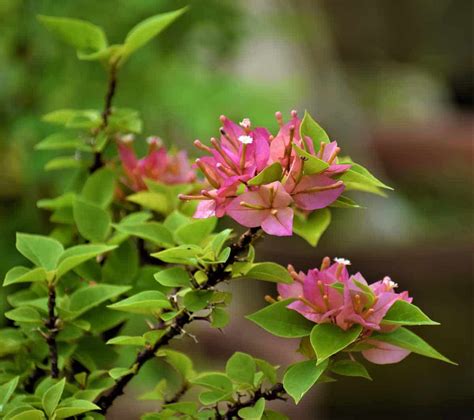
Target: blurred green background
{"type": "Point", "coordinates": [390, 80]}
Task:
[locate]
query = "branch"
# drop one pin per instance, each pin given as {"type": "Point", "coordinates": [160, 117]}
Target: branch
{"type": "Point", "coordinates": [215, 276]}
{"type": "Point", "coordinates": [109, 96]}
{"type": "Point", "coordinates": [276, 392]}
{"type": "Point", "coordinates": [52, 325]}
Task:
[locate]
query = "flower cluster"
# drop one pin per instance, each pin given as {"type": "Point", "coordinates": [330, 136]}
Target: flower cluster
{"type": "Point", "coordinates": [331, 295]}
{"type": "Point", "coordinates": [259, 179]}
{"type": "Point", "coordinates": [157, 165]}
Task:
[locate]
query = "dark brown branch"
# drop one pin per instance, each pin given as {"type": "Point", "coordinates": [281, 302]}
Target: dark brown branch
{"type": "Point", "coordinates": [52, 325]}
{"type": "Point", "coordinates": [176, 397]}
{"type": "Point", "coordinates": [276, 392]}
{"type": "Point", "coordinates": [107, 111]}
{"type": "Point", "coordinates": [215, 276]}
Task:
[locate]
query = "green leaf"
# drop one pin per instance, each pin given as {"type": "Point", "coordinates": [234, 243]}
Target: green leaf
{"type": "Point", "coordinates": [74, 408]}
{"type": "Point", "coordinates": [278, 320]}
{"type": "Point", "coordinates": [406, 339]}
{"type": "Point", "coordinates": [310, 128]}
{"type": "Point", "coordinates": [215, 381]}
{"type": "Point", "coordinates": [63, 162]}
{"type": "Point", "coordinates": [78, 254]}
{"type": "Point", "coordinates": [269, 371]}
{"type": "Point", "coordinates": [183, 254]}
{"type": "Point", "coordinates": [84, 299]}
{"type": "Point", "coordinates": [350, 368]}
{"type": "Point", "coordinates": [195, 300]}
{"type": "Point", "coordinates": [404, 313]}
{"type": "Point", "coordinates": [173, 277]}
{"type": "Point", "coordinates": [329, 339]}
{"type": "Point", "coordinates": [28, 415]}
{"type": "Point", "coordinates": [269, 271]}
{"type": "Point", "coordinates": [312, 164]}
{"type": "Point", "coordinates": [241, 368]}
{"type": "Point", "coordinates": [151, 231]}
{"type": "Point", "coordinates": [75, 118]}
{"type": "Point", "coordinates": [151, 200]}
{"type": "Point", "coordinates": [359, 178]}
{"type": "Point", "coordinates": [6, 391]}
{"type": "Point", "coordinates": [185, 407]}
{"type": "Point", "coordinates": [180, 361]}
{"type": "Point", "coordinates": [345, 203]}
{"type": "Point", "coordinates": [273, 415]}
{"type": "Point", "coordinates": [255, 412]}
{"type": "Point", "coordinates": [300, 377]}
{"type": "Point", "coordinates": [195, 232]}
{"type": "Point", "coordinates": [219, 318]}
{"type": "Point", "coordinates": [24, 314]}
{"type": "Point", "coordinates": [24, 275]}
{"type": "Point", "coordinates": [52, 397]}
{"type": "Point", "coordinates": [99, 188]}
{"type": "Point", "coordinates": [269, 174]}
{"type": "Point", "coordinates": [65, 200]}
{"type": "Point", "coordinates": [312, 227]}
{"type": "Point", "coordinates": [145, 31]}
{"type": "Point", "coordinates": [92, 221]}
{"type": "Point", "coordinates": [126, 340]}
{"type": "Point", "coordinates": [40, 250]}
{"type": "Point", "coordinates": [148, 302]}
{"type": "Point", "coordinates": [219, 240]}
{"type": "Point", "coordinates": [84, 36]}
{"type": "Point", "coordinates": [63, 141]}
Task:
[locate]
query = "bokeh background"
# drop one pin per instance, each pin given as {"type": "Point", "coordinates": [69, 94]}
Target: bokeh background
{"type": "Point", "coordinates": [391, 80]}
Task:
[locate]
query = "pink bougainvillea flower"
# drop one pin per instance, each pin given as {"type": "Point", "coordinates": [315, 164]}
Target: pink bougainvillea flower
{"type": "Point", "coordinates": [316, 300]}
{"type": "Point", "coordinates": [242, 153]}
{"type": "Point", "coordinates": [267, 207]}
{"type": "Point", "coordinates": [157, 165]}
{"type": "Point", "coordinates": [331, 295]}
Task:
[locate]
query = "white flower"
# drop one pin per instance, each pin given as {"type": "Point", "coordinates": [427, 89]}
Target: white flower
{"type": "Point", "coordinates": [246, 139]}
{"type": "Point", "coordinates": [342, 261]}
{"type": "Point", "coordinates": [128, 138]}
{"type": "Point", "coordinates": [389, 284]}
{"type": "Point", "coordinates": [245, 123]}
{"type": "Point", "coordinates": [154, 140]}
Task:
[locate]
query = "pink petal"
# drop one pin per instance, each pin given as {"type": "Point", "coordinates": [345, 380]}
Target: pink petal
{"type": "Point", "coordinates": [279, 224]}
{"type": "Point", "coordinates": [205, 209]}
{"type": "Point", "coordinates": [245, 216]}
{"type": "Point", "coordinates": [384, 353]}
{"type": "Point", "coordinates": [294, 289]}
{"type": "Point", "coordinates": [318, 199]}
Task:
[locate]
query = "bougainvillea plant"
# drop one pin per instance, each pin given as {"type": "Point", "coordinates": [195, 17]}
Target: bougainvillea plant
{"type": "Point", "coordinates": [135, 256]}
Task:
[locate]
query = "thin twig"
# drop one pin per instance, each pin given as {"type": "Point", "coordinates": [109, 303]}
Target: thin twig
{"type": "Point", "coordinates": [52, 325]}
{"type": "Point", "coordinates": [107, 111]}
{"type": "Point", "coordinates": [215, 276]}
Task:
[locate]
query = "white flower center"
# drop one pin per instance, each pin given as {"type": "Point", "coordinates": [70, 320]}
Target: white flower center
{"type": "Point", "coordinates": [389, 284]}
{"type": "Point", "coordinates": [246, 139]}
{"type": "Point", "coordinates": [342, 261]}
{"type": "Point", "coordinates": [128, 138]}
{"type": "Point", "coordinates": [154, 140]}
{"type": "Point", "coordinates": [245, 123]}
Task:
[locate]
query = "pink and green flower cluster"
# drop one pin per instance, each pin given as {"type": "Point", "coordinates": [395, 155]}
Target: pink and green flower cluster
{"type": "Point", "coordinates": [259, 179]}
{"type": "Point", "coordinates": [331, 295]}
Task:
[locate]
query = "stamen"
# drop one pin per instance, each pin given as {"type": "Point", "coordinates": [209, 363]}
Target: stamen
{"type": "Point", "coordinates": [273, 212]}
{"type": "Point", "coordinates": [227, 159]}
{"type": "Point", "coordinates": [324, 188]}
{"type": "Point", "coordinates": [325, 263]}
{"type": "Point", "coordinates": [224, 169]}
{"type": "Point", "coordinates": [339, 269]}
{"type": "Point", "coordinates": [357, 303]}
{"type": "Point", "coordinates": [321, 287]}
{"type": "Point", "coordinates": [209, 194]}
{"type": "Point", "coordinates": [279, 118]}
{"type": "Point", "coordinates": [311, 305]}
{"type": "Point", "coordinates": [269, 299]}
{"type": "Point", "coordinates": [271, 137]}
{"type": "Point", "coordinates": [294, 275]}
{"type": "Point", "coordinates": [321, 150]}
{"type": "Point", "coordinates": [213, 181]}
{"type": "Point", "coordinates": [334, 154]}
{"type": "Point", "coordinates": [368, 313]}
{"type": "Point", "coordinates": [202, 147]}
{"type": "Point", "coordinates": [294, 113]}
{"type": "Point", "coordinates": [186, 197]}
{"type": "Point", "coordinates": [326, 301]}
{"type": "Point", "coordinates": [252, 206]}
{"type": "Point", "coordinates": [128, 138]}
{"type": "Point", "coordinates": [154, 141]}
{"type": "Point", "coordinates": [229, 139]}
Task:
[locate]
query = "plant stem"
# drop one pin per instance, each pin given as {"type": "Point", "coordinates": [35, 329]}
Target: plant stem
{"type": "Point", "coordinates": [215, 276]}
{"type": "Point", "coordinates": [276, 392]}
{"type": "Point", "coordinates": [109, 96]}
{"type": "Point", "coordinates": [51, 325]}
